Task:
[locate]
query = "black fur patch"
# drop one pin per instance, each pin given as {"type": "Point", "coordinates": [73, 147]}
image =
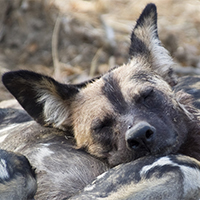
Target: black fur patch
{"type": "Point", "coordinates": [16, 164]}
{"type": "Point", "coordinates": [138, 46]}
{"type": "Point", "coordinates": [19, 85]}
{"type": "Point", "coordinates": [159, 171]}
{"type": "Point", "coordinates": [84, 84]}
{"type": "Point", "coordinates": [186, 163]}
{"type": "Point", "coordinates": [112, 91]}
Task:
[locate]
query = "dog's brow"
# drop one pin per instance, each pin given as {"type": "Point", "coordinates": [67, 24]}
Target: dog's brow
{"type": "Point", "coordinates": [143, 77]}
{"type": "Point", "coordinates": [112, 91]}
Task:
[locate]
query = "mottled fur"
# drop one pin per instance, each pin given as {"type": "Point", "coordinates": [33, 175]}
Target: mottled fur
{"type": "Point", "coordinates": [132, 111]}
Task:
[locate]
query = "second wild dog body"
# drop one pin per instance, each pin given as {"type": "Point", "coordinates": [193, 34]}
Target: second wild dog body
{"type": "Point", "coordinates": [130, 112]}
{"type": "Point", "coordinates": [165, 178]}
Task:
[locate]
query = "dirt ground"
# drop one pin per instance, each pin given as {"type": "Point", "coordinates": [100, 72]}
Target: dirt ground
{"type": "Point", "coordinates": [73, 40]}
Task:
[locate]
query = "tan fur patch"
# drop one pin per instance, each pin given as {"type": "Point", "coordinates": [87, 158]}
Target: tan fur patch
{"type": "Point", "coordinates": [89, 104]}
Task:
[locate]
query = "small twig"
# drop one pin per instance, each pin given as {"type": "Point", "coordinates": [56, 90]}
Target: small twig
{"type": "Point", "coordinates": [93, 67]}
{"type": "Point", "coordinates": [109, 32]}
{"type": "Point", "coordinates": [54, 44]}
{"type": "Point", "coordinates": [111, 62]}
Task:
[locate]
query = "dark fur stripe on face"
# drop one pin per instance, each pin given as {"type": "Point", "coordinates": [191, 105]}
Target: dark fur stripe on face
{"type": "Point", "coordinates": [112, 91]}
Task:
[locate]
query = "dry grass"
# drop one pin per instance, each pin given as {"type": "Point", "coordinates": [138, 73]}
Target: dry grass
{"type": "Point", "coordinates": [76, 39]}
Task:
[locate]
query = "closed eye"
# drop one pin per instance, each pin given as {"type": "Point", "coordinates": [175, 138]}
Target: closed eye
{"type": "Point", "coordinates": [102, 130]}
{"type": "Point", "coordinates": [101, 125]}
{"type": "Point", "coordinates": [148, 92]}
{"type": "Point", "coordinates": [147, 97]}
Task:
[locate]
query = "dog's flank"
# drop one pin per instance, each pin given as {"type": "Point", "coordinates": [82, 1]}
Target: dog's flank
{"type": "Point", "coordinates": [165, 178]}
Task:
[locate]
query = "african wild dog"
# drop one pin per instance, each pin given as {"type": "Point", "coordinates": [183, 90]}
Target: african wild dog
{"type": "Point", "coordinates": [127, 113]}
{"type": "Point", "coordinates": [130, 112]}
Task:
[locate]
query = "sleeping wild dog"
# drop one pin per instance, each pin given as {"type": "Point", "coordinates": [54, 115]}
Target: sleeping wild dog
{"type": "Point", "coordinates": [132, 111]}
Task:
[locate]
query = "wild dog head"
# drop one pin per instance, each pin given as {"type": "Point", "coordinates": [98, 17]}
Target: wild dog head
{"type": "Point", "coordinates": [127, 113]}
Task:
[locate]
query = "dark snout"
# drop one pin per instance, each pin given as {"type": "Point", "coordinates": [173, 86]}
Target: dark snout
{"type": "Point", "coordinates": [140, 136]}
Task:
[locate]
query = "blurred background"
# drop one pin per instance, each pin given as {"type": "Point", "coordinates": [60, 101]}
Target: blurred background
{"type": "Point", "coordinates": [73, 40]}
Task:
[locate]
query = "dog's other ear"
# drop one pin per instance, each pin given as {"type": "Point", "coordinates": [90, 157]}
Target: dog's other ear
{"type": "Point", "coordinates": [145, 42]}
{"type": "Point", "coordinates": [46, 100]}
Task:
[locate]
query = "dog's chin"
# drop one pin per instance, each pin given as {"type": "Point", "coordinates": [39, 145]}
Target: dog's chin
{"type": "Point", "coordinates": [119, 157]}
{"type": "Point", "coordinates": [171, 148]}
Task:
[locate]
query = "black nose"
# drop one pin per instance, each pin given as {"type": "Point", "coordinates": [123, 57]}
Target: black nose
{"type": "Point", "coordinates": [140, 136]}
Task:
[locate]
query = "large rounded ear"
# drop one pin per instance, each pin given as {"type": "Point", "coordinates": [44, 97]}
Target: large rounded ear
{"type": "Point", "coordinates": [145, 42]}
{"type": "Point", "coordinates": [46, 100]}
